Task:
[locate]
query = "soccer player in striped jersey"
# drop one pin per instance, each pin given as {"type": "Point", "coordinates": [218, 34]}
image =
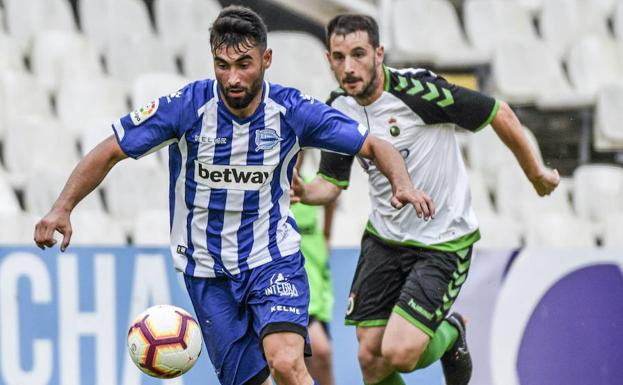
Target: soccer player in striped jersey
{"type": "Point", "coordinates": [410, 271]}
{"type": "Point", "coordinates": [232, 148]}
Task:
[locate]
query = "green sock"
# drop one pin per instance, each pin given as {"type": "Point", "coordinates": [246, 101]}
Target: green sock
{"type": "Point", "coordinates": [392, 379]}
{"type": "Point", "coordinates": [444, 338]}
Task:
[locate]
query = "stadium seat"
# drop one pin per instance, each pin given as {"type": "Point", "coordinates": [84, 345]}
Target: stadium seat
{"type": "Point", "coordinates": [617, 21]}
{"type": "Point", "coordinates": [95, 228]}
{"type": "Point", "coordinates": [60, 56]}
{"type": "Point", "coordinates": [527, 73]}
{"type": "Point", "coordinates": [299, 61]}
{"type": "Point", "coordinates": [178, 20]}
{"type": "Point", "coordinates": [198, 63]}
{"type": "Point", "coordinates": [612, 233]}
{"type": "Point", "coordinates": [149, 86]}
{"type": "Point", "coordinates": [8, 199]}
{"type": "Point", "coordinates": [94, 131]}
{"type": "Point", "coordinates": [10, 54]}
{"type": "Point", "coordinates": [607, 127]}
{"type": "Point", "coordinates": [17, 228]}
{"type": "Point", "coordinates": [487, 154]}
{"type": "Point", "coordinates": [43, 186]}
{"type": "Point", "coordinates": [597, 191]}
{"type": "Point", "coordinates": [428, 31]}
{"type": "Point", "coordinates": [563, 22]}
{"type": "Point", "coordinates": [130, 57]}
{"type": "Point", "coordinates": [26, 18]}
{"type": "Point", "coordinates": [133, 186]}
{"type": "Point", "coordinates": [560, 231]}
{"type": "Point", "coordinates": [104, 21]}
{"type": "Point", "coordinates": [532, 6]}
{"type": "Point", "coordinates": [21, 95]}
{"type": "Point", "coordinates": [151, 228]}
{"type": "Point", "coordinates": [498, 231]}
{"type": "Point", "coordinates": [491, 23]}
{"type": "Point", "coordinates": [32, 143]}
{"type": "Point", "coordinates": [83, 99]}
{"type": "Point", "coordinates": [594, 63]}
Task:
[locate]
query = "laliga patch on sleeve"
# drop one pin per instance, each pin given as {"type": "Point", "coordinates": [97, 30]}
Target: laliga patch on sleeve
{"type": "Point", "coordinates": [140, 115]}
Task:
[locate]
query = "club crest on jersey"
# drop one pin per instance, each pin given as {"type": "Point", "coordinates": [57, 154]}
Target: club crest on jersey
{"type": "Point", "coordinates": [266, 139]}
{"type": "Point", "coordinates": [140, 115]}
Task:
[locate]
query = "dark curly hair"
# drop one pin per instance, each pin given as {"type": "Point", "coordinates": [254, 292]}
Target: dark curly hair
{"type": "Point", "coordinates": [343, 25]}
{"type": "Point", "coordinates": [239, 28]}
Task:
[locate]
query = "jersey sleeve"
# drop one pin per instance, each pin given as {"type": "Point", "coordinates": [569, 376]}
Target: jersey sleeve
{"type": "Point", "coordinates": [335, 168]}
{"type": "Point", "coordinates": [436, 100]}
{"type": "Point", "coordinates": [155, 125]}
{"type": "Point", "coordinates": [319, 125]}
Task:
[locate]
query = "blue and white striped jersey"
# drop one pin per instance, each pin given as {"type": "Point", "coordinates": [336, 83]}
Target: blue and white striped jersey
{"type": "Point", "coordinates": [230, 177]}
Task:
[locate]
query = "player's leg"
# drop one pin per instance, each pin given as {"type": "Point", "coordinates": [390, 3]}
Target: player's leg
{"type": "Point", "coordinates": [320, 365]}
{"type": "Point", "coordinates": [429, 291]}
{"type": "Point", "coordinates": [278, 296]}
{"type": "Point", "coordinates": [233, 346]}
{"type": "Point", "coordinates": [379, 277]}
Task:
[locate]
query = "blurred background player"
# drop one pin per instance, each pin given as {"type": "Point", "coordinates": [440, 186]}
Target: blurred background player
{"type": "Point", "coordinates": [410, 271]}
{"type": "Point", "coordinates": [233, 145]}
{"type": "Point", "coordinates": [315, 248]}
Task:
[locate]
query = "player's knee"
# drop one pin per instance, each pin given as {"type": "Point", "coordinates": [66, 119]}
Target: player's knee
{"type": "Point", "coordinates": [283, 363]}
{"type": "Point", "coordinates": [402, 357]}
{"type": "Point", "coordinates": [367, 357]}
{"type": "Point", "coordinates": [322, 354]}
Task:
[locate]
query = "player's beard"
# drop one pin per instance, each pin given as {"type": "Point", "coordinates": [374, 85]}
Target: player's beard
{"type": "Point", "coordinates": [249, 94]}
{"type": "Point", "coordinates": [368, 89]}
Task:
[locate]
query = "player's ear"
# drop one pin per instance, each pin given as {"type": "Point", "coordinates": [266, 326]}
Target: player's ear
{"type": "Point", "coordinates": [380, 53]}
{"type": "Point", "coordinates": [267, 58]}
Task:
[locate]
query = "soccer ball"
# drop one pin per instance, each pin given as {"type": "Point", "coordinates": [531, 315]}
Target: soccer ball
{"type": "Point", "coordinates": [164, 341]}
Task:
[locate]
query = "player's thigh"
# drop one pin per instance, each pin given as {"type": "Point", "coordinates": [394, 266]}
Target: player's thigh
{"type": "Point", "coordinates": [377, 282]}
{"type": "Point", "coordinates": [279, 298]}
{"type": "Point", "coordinates": [370, 339]}
{"type": "Point", "coordinates": [233, 346]}
{"type": "Point", "coordinates": [319, 338]}
{"type": "Point", "coordinates": [403, 337]}
{"type": "Point", "coordinates": [431, 287]}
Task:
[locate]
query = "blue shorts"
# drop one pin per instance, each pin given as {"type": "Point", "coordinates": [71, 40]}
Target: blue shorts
{"type": "Point", "coordinates": [236, 313]}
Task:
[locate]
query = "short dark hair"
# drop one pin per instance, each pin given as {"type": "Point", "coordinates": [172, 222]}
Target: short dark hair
{"type": "Point", "coordinates": [349, 23]}
{"type": "Point", "coordinates": [239, 28]}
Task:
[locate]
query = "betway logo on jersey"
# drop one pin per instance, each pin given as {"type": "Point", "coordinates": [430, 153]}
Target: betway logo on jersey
{"type": "Point", "coordinates": [233, 177]}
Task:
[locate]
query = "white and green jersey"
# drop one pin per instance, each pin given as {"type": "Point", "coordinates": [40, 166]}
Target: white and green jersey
{"type": "Point", "coordinates": [418, 113]}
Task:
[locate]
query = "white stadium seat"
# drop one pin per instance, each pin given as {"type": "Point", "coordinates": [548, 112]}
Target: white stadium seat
{"type": "Point", "coordinates": [94, 131]}
{"type": "Point", "coordinates": [428, 31]}
{"type": "Point", "coordinates": [104, 21]}
{"type": "Point", "coordinates": [612, 233]}
{"type": "Point", "coordinates": [561, 231]}
{"type": "Point", "coordinates": [8, 199]}
{"type": "Point", "coordinates": [491, 23]}
{"type": "Point", "coordinates": [149, 86]}
{"type": "Point", "coordinates": [17, 228]}
{"type": "Point", "coordinates": [60, 56]}
{"type": "Point", "coordinates": [25, 18]}
{"type": "Point", "coordinates": [529, 73]}
{"type": "Point", "coordinates": [607, 127]}
{"type": "Point", "coordinates": [151, 228]}
{"type": "Point", "coordinates": [83, 99]}
{"type": "Point", "coordinates": [498, 231]}
{"type": "Point", "coordinates": [178, 20]}
{"type": "Point", "coordinates": [594, 63]}
{"type": "Point", "coordinates": [532, 6]}
{"type": "Point", "coordinates": [10, 54]}
{"type": "Point", "coordinates": [43, 186]}
{"type": "Point", "coordinates": [133, 186]}
{"type": "Point", "coordinates": [617, 21]}
{"type": "Point", "coordinates": [130, 57]}
{"type": "Point", "coordinates": [597, 191]}
{"type": "Point", "coordinates": [197, 57]}
{"type": "Point", "coordinates": [95, 228]}
{"type": "Point", "coordinates": [299, 61]}
{"type": "Point", "coordinates": [33, 143]}
{"type": "Point", "coordinates": [563, 22]}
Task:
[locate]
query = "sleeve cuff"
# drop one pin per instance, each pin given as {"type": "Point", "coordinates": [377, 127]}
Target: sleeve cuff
{"type": "Point", "coordinates": [339, 183]}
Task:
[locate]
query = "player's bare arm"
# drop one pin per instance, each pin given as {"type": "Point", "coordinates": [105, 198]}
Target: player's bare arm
{"type": "Point", "coordinates": [389, 161]}
{"type": "Point", "coordinates": [508, 128]}
{"type": "Point", "coordinates": [317, 192]}
{"type": "Point", "coordinates": [87, 175]}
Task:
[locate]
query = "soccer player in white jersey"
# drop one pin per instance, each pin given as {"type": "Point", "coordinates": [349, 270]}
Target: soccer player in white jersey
{"type": "Point", "coordinates": [410, 271]}
{"type": "Point", "coordinates": [232, 148]}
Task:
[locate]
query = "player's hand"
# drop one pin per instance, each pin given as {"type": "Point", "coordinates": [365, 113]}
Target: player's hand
{"type": "Point", "coordinates": [297, 187]}
{"type": "Point", "coordinates": [55, 220]}
{"type": "Point", "coordinates": [546, 181]}
{"type": "Point", "coordinates": [423, 204]}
